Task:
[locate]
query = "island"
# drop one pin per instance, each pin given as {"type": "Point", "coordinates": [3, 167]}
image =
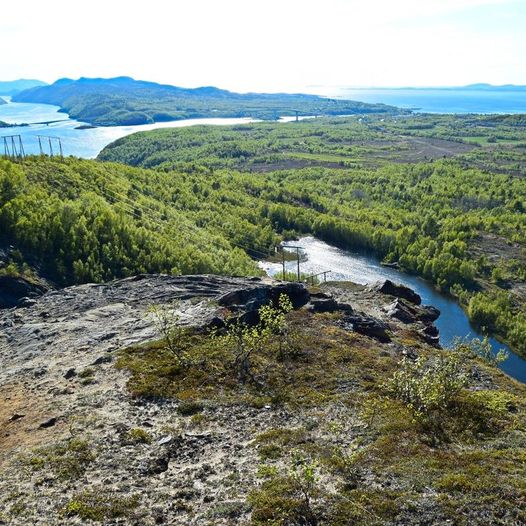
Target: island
{"type": "Point", "coordinates": [124, 101]}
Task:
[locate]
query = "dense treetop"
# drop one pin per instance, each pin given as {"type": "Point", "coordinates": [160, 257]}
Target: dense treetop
{"type": "Point", "coordinates": [441, 195]}
{"type": "Point", "coordinates": [450, 210]}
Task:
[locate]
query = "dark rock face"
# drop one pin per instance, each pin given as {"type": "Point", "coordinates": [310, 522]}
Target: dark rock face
{"type": "Point", "coordinates": [430, 313]}
{"type": "Point", "coordinates": [366, 325]}
{"type": "Point", "coordinates": [397, 290]}
{"type": "Point", "coordinates": [402, 311]}
{"type": "Point", "coordinates": [13, 290]}
{"type": "Point", "coordinates": [253, 297]}
{"type": "Point", "coordinates": [430, 335]}
{"type": "Point", "coordinates": [409, 313]}
{"type": "Point", "coordinates": [321, 302]}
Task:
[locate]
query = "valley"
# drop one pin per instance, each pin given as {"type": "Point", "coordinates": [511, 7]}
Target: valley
{"type": "Point", "coordinates": [152, 373]}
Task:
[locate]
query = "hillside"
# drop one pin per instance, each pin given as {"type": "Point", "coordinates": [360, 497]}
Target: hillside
{"type": "Point", "coordinates": [384, 185]}
{"type": "Point", "coordinates": [125, 101]}
{"type": "Point", "coordinates": [343, 415]}
{"type": "Point", "coordinates": [76, 221]}
{"type": "Point", "coordinates": [13, 87]}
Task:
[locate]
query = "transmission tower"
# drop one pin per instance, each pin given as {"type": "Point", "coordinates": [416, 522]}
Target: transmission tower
{"type": "Point", "coordinates": [13, 147]}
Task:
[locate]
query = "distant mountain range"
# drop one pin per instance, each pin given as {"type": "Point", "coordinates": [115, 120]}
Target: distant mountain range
{"type": "Point", "coordinates": [12, 87]}
{"type": "Point", "coordinates": [491, 87]}
{"type": "Point", "coordinates": [125, 101]}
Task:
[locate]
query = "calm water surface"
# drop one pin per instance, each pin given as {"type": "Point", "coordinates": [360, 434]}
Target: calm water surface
{"type": "Point", "coordinates": [80, 143]}
{"type": "Point", "coordinates": [430, 100]}
{"type": "Point", "coordinates": [365, 269]}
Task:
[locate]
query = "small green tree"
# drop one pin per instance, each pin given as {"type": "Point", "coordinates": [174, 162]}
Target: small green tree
{"type": "Point", "coordinates": [175, 336]}
{"type": "Point", "coordinates": [305, 479]}
{"type": "Point", "coordinates": [483, 349]}
{"type": "Point", "coordinates": [244, 340]}
{"type": "Point", "coordinates": [428, 387]}
{"type": "Point", "coordinates": [275, 320]}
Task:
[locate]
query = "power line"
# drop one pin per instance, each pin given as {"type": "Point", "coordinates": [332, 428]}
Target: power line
{"type": "Point", "coordinates": [122, 202]}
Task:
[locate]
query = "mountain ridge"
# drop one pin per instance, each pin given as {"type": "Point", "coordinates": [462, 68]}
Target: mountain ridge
{"type": "Point", "coordinates": [12, 87]}
{"type": "Point", "coordinates": [126, 101]}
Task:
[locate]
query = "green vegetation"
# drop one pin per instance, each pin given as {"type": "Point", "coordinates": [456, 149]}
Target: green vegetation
{"type": "Point", "coordinates": [361, 454]}
{"type": "Point", "coordinates": [80, 221]}
{"type": "Point", "coordinates": [381, 184]}
{"type": "Point", "coordinates": [66, 460]}
{"type": "Point", "coordinates": [125, 101]}
{"type": "Point", "coordinates": [100, 506]}
{"type": "Point", "coordinates": [137, 436]}
{"type": "Point", "coordinates": [213, 197]}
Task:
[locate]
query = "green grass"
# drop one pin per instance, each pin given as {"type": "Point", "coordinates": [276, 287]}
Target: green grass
{"type": "Point", "coordinates": [68, 459]}
{"type": "Point", "coordinates": [478, 446]}
{"type": "Point", "coordinates": [99, 506]}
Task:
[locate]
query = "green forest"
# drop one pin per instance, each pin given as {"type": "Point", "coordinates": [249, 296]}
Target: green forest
{"type": "Point", "coordinates": [125, 101]}
{"type": "Point", "coordinates": [439, 195]}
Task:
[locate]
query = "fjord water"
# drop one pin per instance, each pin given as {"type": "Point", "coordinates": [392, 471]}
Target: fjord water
{"type": "Point", "coordinates": [86, 143]}
{"type": "Point", "coordinates": [430, 100]}
{"type": "Point", "coordinates": [365, 269]}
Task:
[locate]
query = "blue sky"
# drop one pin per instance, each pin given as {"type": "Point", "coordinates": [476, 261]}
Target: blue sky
{"type": "Point", "coordinates": [268, 45]}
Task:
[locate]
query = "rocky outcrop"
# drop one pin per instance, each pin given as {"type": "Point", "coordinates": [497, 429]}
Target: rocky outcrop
{"type": "Point", "coordinates": [397, 290]}
{"type": "Point", "coordinates": [15, 290]}
{"type": "Point", "coordinates": [114, 315]}
{"type": "Point", "coordinates": [321, 302]}
{"type": "Point", "coordinates": [411, 313]}
{"type": "Point", "coordinates": [366, 325]}
{"type": "Point", "coordinates": [61, 378]}
{"type": "Point", "coordinates": [253, 297]}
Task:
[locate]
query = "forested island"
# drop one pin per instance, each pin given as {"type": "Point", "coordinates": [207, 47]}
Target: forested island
{"type": "Point", "coordinates": [125, 101]}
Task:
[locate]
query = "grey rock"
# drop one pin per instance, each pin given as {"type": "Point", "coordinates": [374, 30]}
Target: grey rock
{"type": "Point", "coordinates": [429, 313]}
{"type": "Point", "coordinates": [25, 302]}
{"type": "Point", "coordinates": [366, 325]}
{"type": "Point", "coordinates": [321, 302]}
{"type": "Point", "coordinates": [253, 297]}
{"type": "Point", "coordinates": [48, 423]}
{"type": "Point", "coordinates": [13, 289]}
{"type": "Point", "coordinates": [397, 290]}
{"type": "Point", "coordinates": [402, 311]}
{"type": "Point", "coordinates": [165, 440]}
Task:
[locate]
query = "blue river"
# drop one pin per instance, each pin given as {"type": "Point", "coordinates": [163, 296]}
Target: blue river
{"type": "Point", "coordinates": [364, 269]}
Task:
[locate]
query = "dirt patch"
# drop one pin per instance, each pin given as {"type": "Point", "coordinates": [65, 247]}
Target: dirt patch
{"type": "Point", "coordinates": [288, 164]}
{"type": "Point", "coordinates": [21, 416]}
{"type": "Point", "coordinates": [428, 148]}
{"type": "Point", "coordinates": [496, 248]}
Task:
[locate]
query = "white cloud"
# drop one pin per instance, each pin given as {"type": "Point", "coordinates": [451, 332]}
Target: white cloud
{"type": "Point", "coordinates": [272, 44]}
